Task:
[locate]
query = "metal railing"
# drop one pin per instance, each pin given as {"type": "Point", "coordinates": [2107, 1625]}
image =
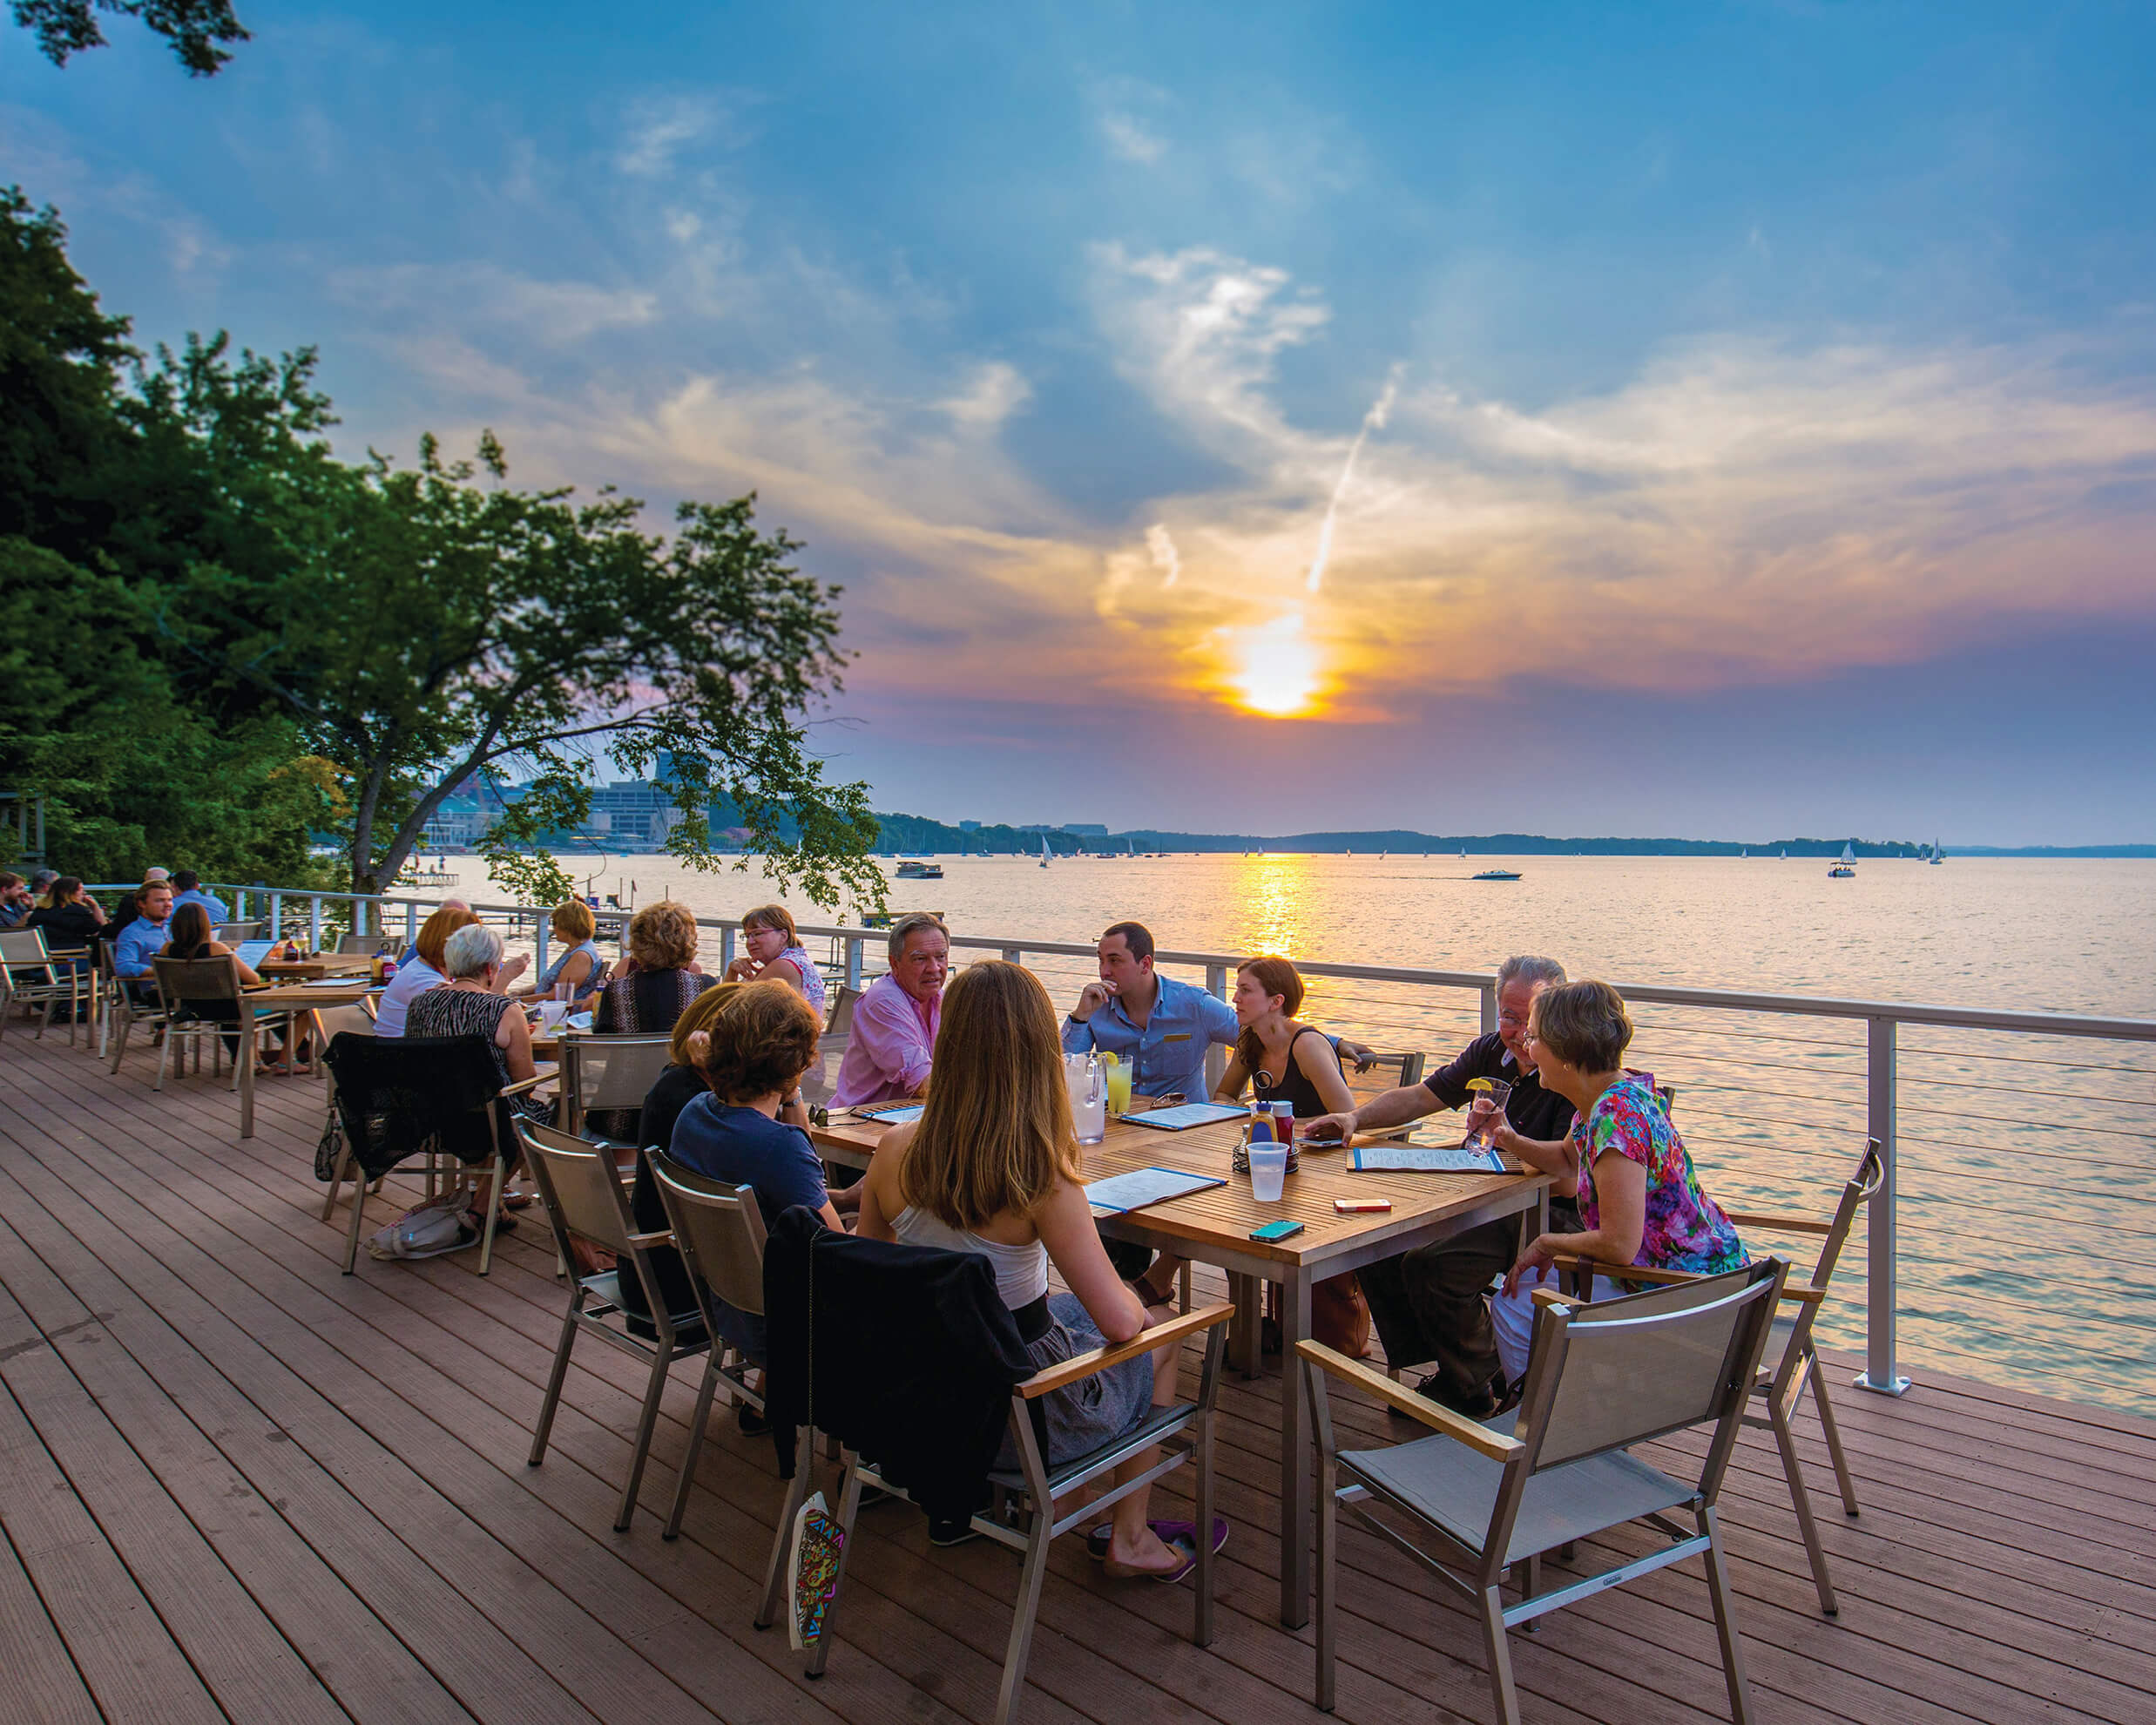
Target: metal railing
{"type": "Point", "coordinates": [1878, 1059]}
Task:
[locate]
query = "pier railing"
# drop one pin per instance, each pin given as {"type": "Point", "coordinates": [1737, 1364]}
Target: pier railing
{"type": "Point", "coordinates": [1790, 1083]}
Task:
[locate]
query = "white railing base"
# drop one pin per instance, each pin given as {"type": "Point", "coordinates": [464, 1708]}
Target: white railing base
{"type": "Point", "coordinates": [1893, 1386]}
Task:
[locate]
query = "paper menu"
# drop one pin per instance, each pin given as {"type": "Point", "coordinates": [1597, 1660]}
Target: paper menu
{"type": "Point", "coordinates": [1140, 1186]}
{"type": "Point", "coordinates": [1426, 1159]}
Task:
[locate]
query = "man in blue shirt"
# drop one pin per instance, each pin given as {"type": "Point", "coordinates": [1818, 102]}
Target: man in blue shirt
{"type": "Point", "coordinates": [187, 889]}
{"type": "Point", "coordinates": [142, 939]}
{"type": "Point", "coordinates": [1162, 1026]}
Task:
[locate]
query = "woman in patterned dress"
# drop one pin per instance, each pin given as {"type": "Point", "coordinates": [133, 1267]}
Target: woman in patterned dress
{"type": "Point", "coordinates": [773, 952]}
{"type": "Point", "coordinates": [1638, 1194]}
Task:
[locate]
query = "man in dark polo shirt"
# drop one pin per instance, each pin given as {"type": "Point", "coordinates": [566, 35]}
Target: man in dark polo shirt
{"type": "Point", "coordinates": [1428, 1303]}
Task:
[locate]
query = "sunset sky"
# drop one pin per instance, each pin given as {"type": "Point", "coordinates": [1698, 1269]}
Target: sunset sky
{"type": "Point", "coordinates": [1722, 420]}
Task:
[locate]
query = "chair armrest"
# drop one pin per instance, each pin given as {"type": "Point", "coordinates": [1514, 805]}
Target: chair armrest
{"type": "Point", "coordinates": [1805, 1297]}
{"type": "Point", "coordinates": [1778, 1224]}
{"type": "Point", "coordinates": [1099, 1359]}
{"type": "Point", "coordinates": [522, 1085]}
{"type": "Point", "coordinates": [1627, 1272]}
{"type": "Point", "coordinates": [1480, 1438]}
{"type": "Point", "coordinates": [1550, 1296]}
{"type": "Point", "coordinates": [644, 1242]}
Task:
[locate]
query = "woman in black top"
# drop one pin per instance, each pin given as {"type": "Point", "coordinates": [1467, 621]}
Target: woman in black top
{"type": "Point", "coordinates": [658, 988]}
{"type": "Point", "coordinates": [191, 937]}
{"type": "Point", "coordinates": [70, 918]}
{"type": "Point", "coordinates": [1283, 1061]}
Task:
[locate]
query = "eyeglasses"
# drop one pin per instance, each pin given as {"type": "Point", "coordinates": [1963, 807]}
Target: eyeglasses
{"type": "Point", "coordinates": [1512, 1020]}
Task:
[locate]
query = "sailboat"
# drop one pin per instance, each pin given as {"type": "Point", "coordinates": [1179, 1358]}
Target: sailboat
{"type": "Point", "coordinates": [1935, 859]}
{"type": "Point", "coordinates": [1044, 851]}
{"type": "Point", "coordinates": [1741, 855]}
{"type": "Point", "coordinates": [1844, 867]}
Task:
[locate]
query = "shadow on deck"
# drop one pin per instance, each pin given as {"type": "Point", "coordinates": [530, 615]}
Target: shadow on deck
{"type": "Point", "coordinates": [236, 1484]}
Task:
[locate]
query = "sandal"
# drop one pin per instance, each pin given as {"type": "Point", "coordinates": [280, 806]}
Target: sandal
{"type": "Point", "coordinates": [1169, 1533]}
{"type": "Point", "coordinates": [1185, 1548]}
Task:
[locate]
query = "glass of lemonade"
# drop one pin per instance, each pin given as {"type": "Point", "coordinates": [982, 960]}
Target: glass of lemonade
{"type": "Point", "coordinates": [1120, 1071]}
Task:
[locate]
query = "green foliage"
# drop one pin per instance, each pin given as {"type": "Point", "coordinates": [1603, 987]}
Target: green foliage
{"type": "Point", "coordinates": [197, 28]}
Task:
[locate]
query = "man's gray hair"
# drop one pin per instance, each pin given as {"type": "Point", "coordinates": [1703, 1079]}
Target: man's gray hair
{"type": "Point", "coordinates": [1526, 967]}
{"type": "Point", "coordinates": [470, 950]}
{"type": "Point", "coordinates": [911, 923]}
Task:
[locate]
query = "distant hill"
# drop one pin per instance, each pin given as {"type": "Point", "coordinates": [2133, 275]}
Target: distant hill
{"type": "Point", "coordinates": [914, 833]}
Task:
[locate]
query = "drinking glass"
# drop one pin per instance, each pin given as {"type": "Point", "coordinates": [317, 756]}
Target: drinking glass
{"type": "Point", "coordinates": [1482, 1113]}
{"type": "Point", "coordinates": [1120, 1072]}
{"type": "Point", "coordinates": [1268, 1171]}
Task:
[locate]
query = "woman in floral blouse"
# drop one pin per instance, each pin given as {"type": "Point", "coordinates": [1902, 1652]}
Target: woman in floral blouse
{"type": "Point", "coordinates": [1638, 1194]}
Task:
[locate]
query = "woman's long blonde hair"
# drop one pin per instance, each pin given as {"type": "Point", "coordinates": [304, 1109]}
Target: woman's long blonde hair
{"type": "Point", "coordinates": [996, 1132]}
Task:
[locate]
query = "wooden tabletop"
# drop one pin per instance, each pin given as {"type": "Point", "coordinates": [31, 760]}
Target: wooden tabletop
{"type": "Point", "coordinates": [1220, 1217]}
{"type": "Point", "coordinates": [302, 994]}
{"type": "Point", "coordinates": [318, 964]}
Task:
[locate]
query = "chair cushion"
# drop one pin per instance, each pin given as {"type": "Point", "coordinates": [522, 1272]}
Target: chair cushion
{"type": "Point", "coordinates": [1159, 1424]}
{"type": "Point", "coordinates": [1458, 1488]}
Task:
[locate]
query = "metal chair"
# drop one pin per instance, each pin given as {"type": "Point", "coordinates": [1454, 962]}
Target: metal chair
{"type": "Point", "coordinates": [332, 1022]}
{"type": "Point", "coordinates": [1027, 1495]}
{"type": "Point", "coordinates": [719, 1231]}
{"type": "Point", "coordinates": [1792, 1364]}
{"type": "Point", "coordinates": [1484, 1501]}
{"type": "Point", "coordinates": [608, 1075]}
{"type": "Point", "coordinates": [585, 1200]}
{"type": "Point", "coordinates": [31, 976]}
{"type": "Point", "coordinates": [820, 1082]}
{"type": "Point", "coordinates": [365, 945]}
{"type": "Point", "coordinates": [233, 933]}
{"type": "Point", "coordinates": [401, 1097]}
{"type": "Point", "coordinates": [186, 984]}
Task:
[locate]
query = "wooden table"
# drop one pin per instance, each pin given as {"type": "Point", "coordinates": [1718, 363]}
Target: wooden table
{"type": "Point", "coordinates": [1214, 1226]}
{"type": "Point", "coordinates": [316, 964]}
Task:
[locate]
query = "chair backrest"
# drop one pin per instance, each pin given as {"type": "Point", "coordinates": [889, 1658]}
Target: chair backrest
{"type": "Point", "coordinates": [179, 980]}
{"type": "Point", "coordinates": [820, 1082]}
{"type": "Point", "coordinates": [1392, 1071]}
{"type": "Point", "coordinates": [718, 1229]}
{"type": "Point", "coordinates": [580, 1188]}
{"type": "Point", "coordinates": [364, 944]}
{"type": "Point", "coordinates": [1622, 1371]}
{"type": "Point", "coordinates": [233, 933]}
{"type": "Point", "coordinates": [610, 1072]}
{"type": "Point", "coordinates": [23, 948]}
{"type": "Point", "coordinates": [840, 1021]}
{"type": "Point", "coordinates": [398, 1095]}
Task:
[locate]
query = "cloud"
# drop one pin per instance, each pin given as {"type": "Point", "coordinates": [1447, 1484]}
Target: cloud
{"type": "Point", "coordinates": [1121, 109]}
{"type": "Point", "coordinates": [660, 127]}
{"type": "Point", "coordinates": [555, 313]}
{"type": "Point", "coordinates": [1161, 549]}
{"type": "Point", "coordinates": [991, 396]}
{"type": "Point", "coordinates": [1128, 138]}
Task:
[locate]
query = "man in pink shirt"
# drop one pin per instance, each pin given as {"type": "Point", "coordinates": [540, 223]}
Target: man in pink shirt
{"type": "Point", "coordinates": [894, 1034]}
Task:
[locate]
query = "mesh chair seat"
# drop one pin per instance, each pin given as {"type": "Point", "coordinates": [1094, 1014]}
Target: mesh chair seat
{"type": "Point", "coordinates": [1161, 1422]}
{"type": "Point", "coordinates": [1458, 1488]}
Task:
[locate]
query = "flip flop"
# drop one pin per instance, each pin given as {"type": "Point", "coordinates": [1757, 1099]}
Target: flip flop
{"type": "Point", "coordinates": [1185, 1548]}
{"type": "Point", "coordinates": [1169, 1533]}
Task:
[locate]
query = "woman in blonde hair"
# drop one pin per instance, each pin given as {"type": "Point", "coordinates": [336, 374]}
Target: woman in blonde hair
{"type": "Point", "coordinates": [992, 1167]}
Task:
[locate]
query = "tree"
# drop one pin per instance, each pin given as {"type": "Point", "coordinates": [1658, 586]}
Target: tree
{"type": "Point", "coordinates": [197, 28]}
{"type": "Point", "coordinates": [438, 629]}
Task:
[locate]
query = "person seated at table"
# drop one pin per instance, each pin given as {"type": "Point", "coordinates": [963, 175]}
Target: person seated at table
{"type": "Point", "coordinates": [470, 1003]}
{"type": "Point", "coordinates": [1639, 1198]}
{"type": "Point", "coordinates": [193, 937]}
{"type": "Point", "coordinates": [142, 938]}
{"type": "Point", "coordinates": [893, 1041]}
{"type": "Point", "coordinates": [70, 919]}
{"type": "Point", "coordinates": [406, 956]}
{"type": "Point", "coordinates": [578, 965]}
{"type": "Point", "coordinates": [681, 1080]}
{"type": "Point", "coordinates": [748, 1128]}
{"type": "Point", "coordinates": [187, 888]}
{"type": "Point", "coordinates": [17, 900]}
{"type": "Point", "coordinates": [1429, 1303]}
{"type": "Point", "coordinates": [421, 972]}
{"type": "Point", "coordinates": [772, 950]}
{"type": "Point", "coordinates": [650, 999]}
{"type": "Point", "coordinates": [992, 1167]}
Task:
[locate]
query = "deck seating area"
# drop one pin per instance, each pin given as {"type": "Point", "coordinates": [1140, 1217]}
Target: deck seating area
{"type": "Point", "coordinates": [237, 1484]}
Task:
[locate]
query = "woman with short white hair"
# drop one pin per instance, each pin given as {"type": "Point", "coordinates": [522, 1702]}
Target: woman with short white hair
{"type": "Point", "coordinates": [467, 1005]}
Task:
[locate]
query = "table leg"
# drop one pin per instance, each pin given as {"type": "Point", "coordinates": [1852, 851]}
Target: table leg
{"type": "Point", "coordinates": [1245, 1330]}
{"type": "Point", "coordinates": [1296, 1456]}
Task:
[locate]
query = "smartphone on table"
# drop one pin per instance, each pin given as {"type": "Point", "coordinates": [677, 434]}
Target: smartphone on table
{"type": "Point", "coordinates": [1275, 1230]}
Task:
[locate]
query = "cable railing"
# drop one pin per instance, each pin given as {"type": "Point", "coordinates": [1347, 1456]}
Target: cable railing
{"type": "Point", "coordinates": [1997, 1209]}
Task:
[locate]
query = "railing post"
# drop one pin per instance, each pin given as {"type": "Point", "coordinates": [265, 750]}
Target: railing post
{"type": "Point", "coordinates": [539, 943]}
{"type": "Point", "coordinates": [853, 962]}
{"type": "Point", "coordinates": [1013, 955]}
{"type": "Point", "coordinates": [1489, 1005]}
{"type": "Point", "coordinates": [314, 923]}
{"type": "Point", "coordinates": [276, 915]}
{"type": "Point", "coordinates": [727, 935]}
{"type": "Point", "coordinates": [1882, 1291]}
{"type": "Point", "coordinates": [411, 924]}
{"type": "Point", "coordinates": [1216, 1056]}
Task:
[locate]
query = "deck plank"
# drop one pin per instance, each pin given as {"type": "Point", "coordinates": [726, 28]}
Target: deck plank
{"type": "Point", "coordinates": [2004, 1568]}
{"type": "Point", "coordinates": [40, 1674]}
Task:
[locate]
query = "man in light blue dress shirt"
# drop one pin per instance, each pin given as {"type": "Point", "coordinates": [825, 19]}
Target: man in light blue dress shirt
{"type": "Point", "coordinates": [1162, 1026]}
{"type": "Point", "coordinates": [187, 889]}
{"type": "Point", "coordinates": [143, 938]}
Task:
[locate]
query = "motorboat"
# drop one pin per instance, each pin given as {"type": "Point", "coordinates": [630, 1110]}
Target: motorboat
{"type": "Point", "coordinates": [1496, 875]}
{"type": "Point", "coordinates": [920, 871]}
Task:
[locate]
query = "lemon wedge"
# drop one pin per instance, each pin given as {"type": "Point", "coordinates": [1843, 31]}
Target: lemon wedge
{"type": "Point", "coordinates": [1480, 1084]}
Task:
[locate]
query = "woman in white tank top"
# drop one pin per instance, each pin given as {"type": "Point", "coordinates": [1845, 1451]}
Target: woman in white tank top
{"type": "Point", "coordinates": [992, 1167]}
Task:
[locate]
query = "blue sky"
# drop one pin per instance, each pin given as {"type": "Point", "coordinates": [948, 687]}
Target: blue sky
{"type": "Point", "coordinates": [1757, 432]}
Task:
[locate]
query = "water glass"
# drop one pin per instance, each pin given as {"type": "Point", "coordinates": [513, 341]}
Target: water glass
{"type": "Point", "coordinates": [1482, 1113]}
{"type": "Point", "coordinates": [1268, 1171]}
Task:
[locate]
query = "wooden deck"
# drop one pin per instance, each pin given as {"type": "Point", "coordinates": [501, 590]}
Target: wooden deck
{"type": "Point", "coordinates": [235, 1483]}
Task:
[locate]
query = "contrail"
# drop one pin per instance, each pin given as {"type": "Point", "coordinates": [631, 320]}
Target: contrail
{"type": "Point", "coordinates": [1372, 420]}
{"type": "Point", "coordinates": [1162, 549]}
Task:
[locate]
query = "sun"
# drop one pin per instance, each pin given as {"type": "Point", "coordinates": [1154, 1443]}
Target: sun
{"type": "Point", "coordinates": [1277, 669]}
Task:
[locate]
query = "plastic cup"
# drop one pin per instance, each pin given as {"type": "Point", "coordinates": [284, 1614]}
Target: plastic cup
{"type": "Point", "coordinates": [1268, 1171]}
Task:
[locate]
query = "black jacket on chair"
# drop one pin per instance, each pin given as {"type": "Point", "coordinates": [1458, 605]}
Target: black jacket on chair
{"type": "Point", "coordinates": [397, 1096]}
{"type": "Point", "coordinates": [915, 1357]}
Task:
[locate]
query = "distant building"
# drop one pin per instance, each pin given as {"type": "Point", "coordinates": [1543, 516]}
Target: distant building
{"type": "Point", "coordinates": [969, 826]}
{"type": "Point", "coordinates": [1083, 829]}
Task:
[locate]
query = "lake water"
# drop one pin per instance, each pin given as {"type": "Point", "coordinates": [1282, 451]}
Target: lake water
{"type": "Point", "coordinates": [2015, 1150]}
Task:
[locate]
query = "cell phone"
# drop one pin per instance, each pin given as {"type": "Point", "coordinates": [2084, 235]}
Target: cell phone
{"type": "Point", "coordinates": [1276, 1230]}
{"type": "Point", "coordinates": [1358, 1207]}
